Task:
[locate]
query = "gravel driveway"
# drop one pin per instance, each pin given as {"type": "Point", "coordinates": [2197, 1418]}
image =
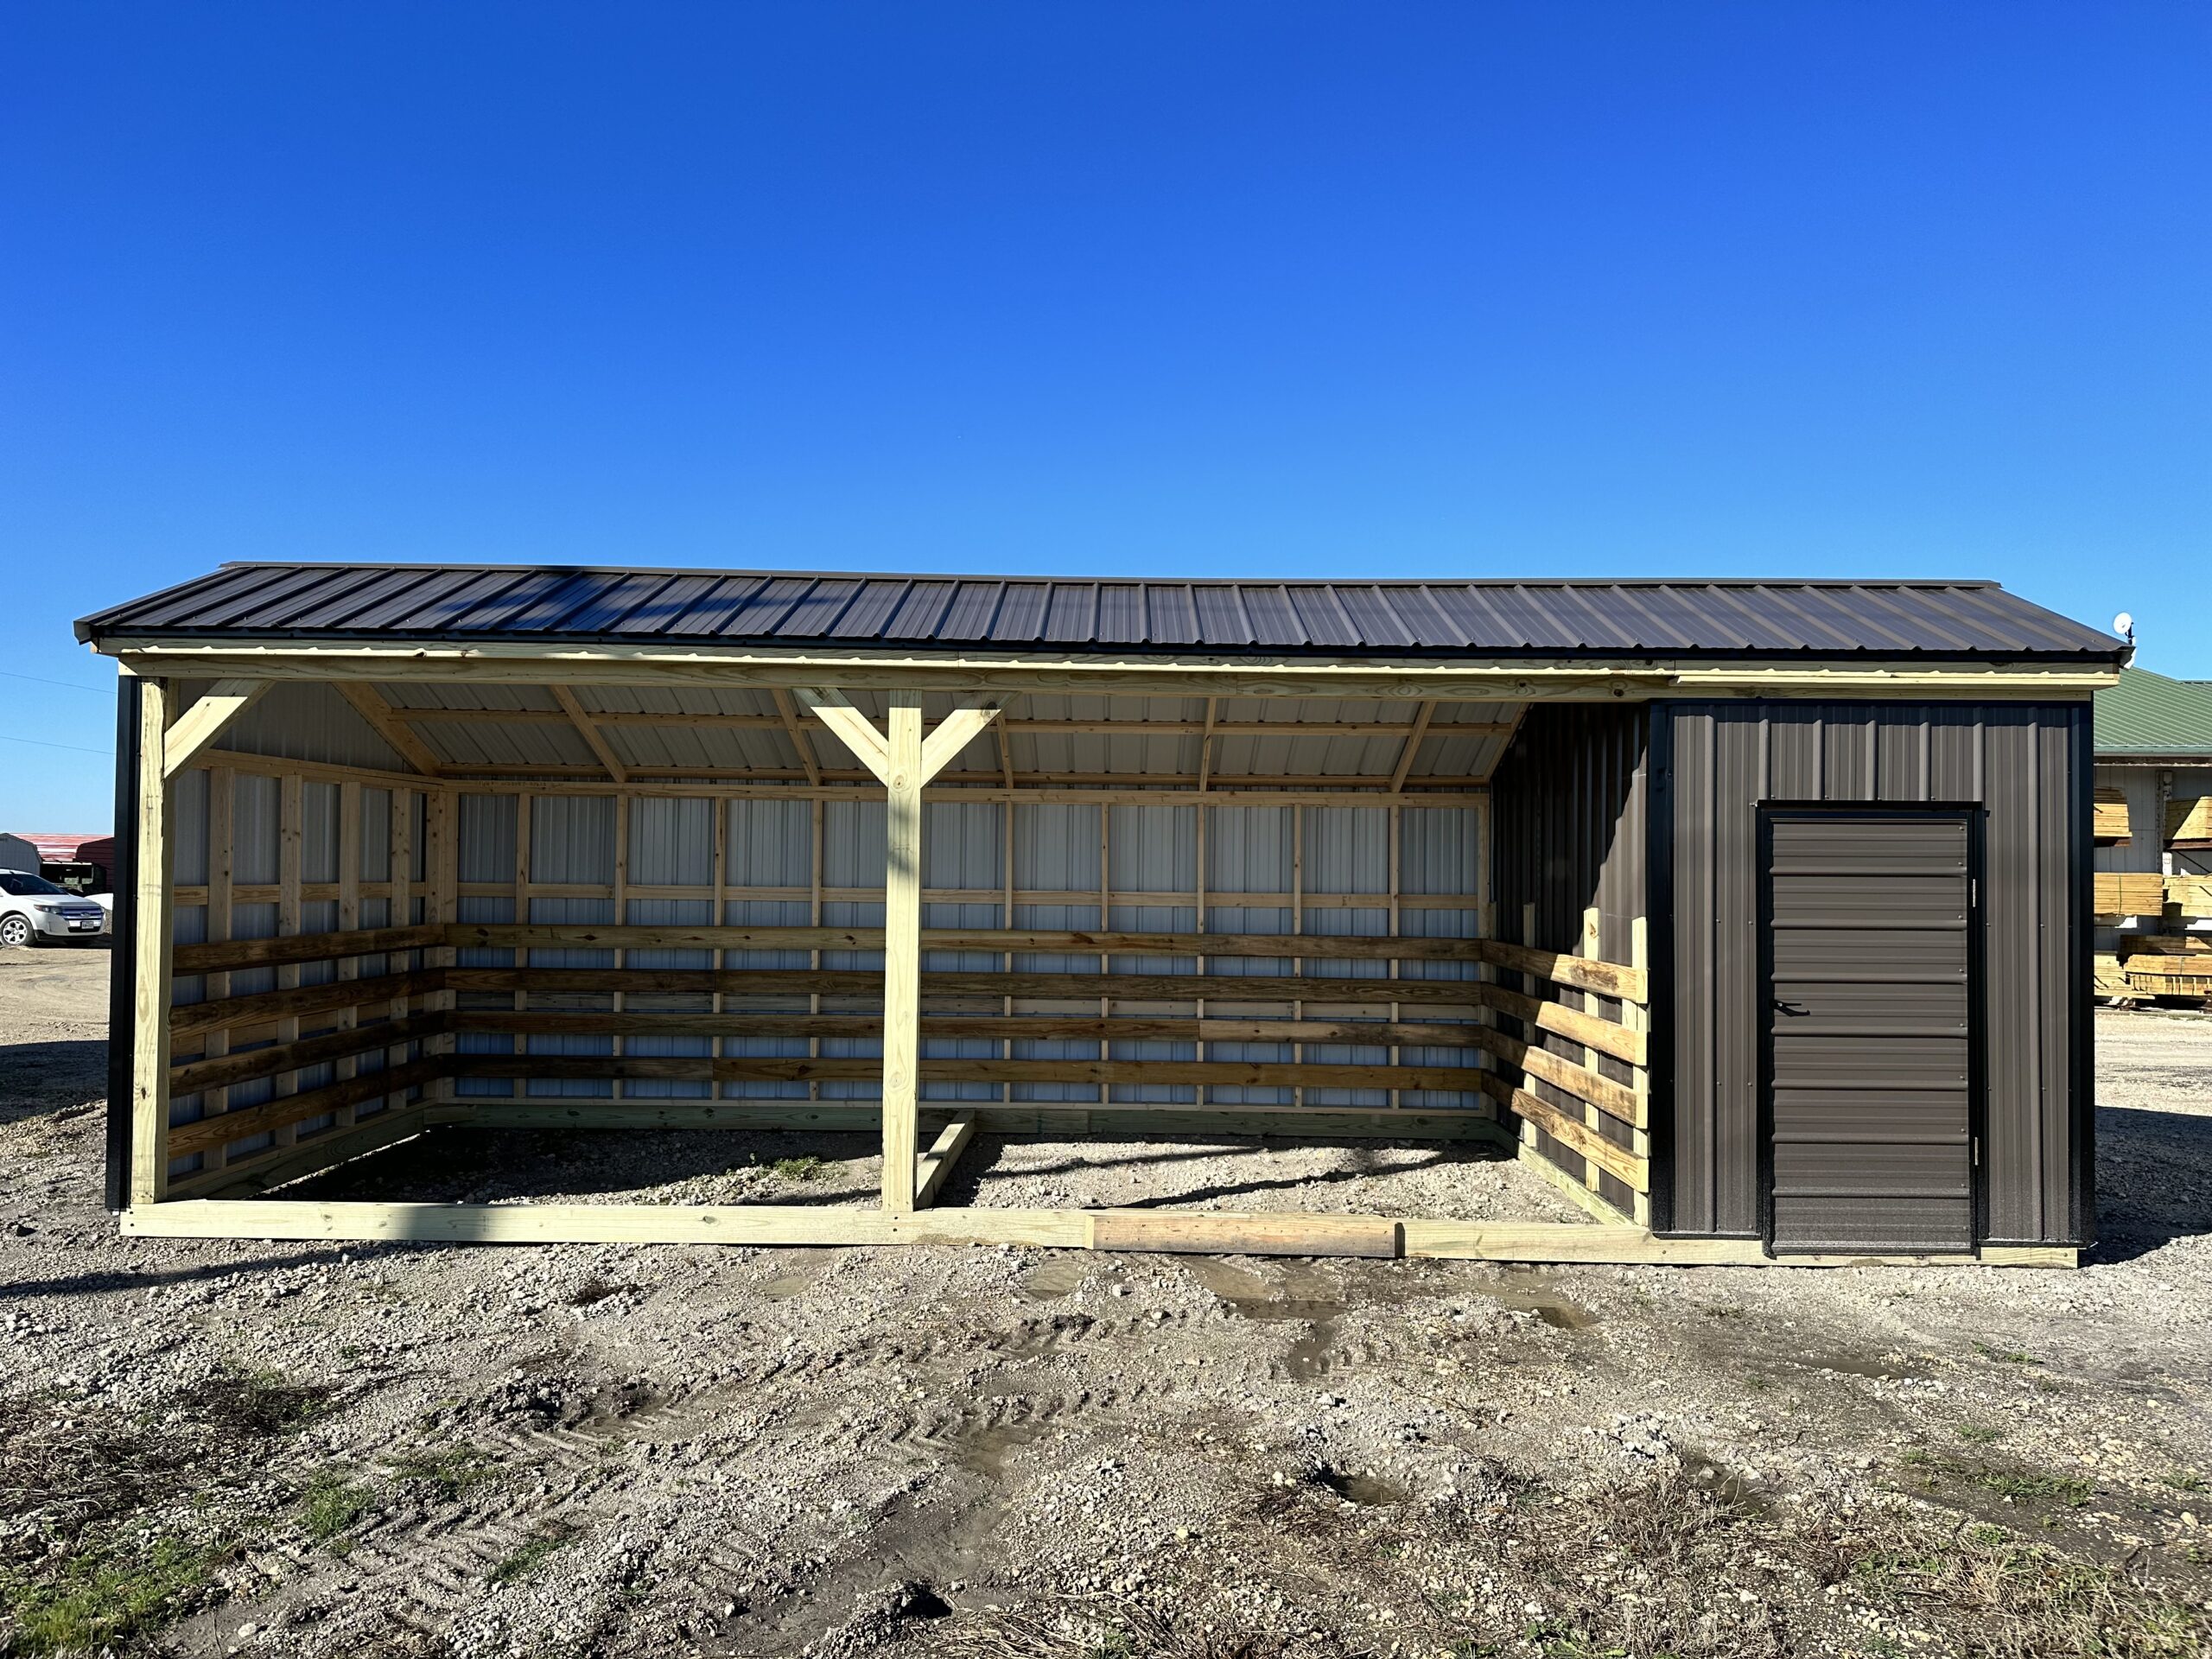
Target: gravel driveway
{"type": "Point", "coordinates": [209, 1448]}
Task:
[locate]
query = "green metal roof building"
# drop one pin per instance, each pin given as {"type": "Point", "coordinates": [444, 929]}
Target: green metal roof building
{"type": "Point", "coordinates": [2149, 718]}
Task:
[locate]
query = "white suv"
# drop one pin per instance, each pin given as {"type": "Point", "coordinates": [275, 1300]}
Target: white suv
{"type": "Point", "coordinates": [32, 908]}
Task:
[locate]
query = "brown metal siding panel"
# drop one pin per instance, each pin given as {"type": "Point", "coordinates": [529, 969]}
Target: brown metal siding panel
{"type": "Point", "coordinates": [2020, 764]}
{"type": "Point", "coordinates": [1568, 805]}
{"type": "Point", "coordinates": [1692, 791]}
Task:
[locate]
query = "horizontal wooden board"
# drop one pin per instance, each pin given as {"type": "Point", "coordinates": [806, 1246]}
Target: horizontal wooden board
{"type": "Point", "coordinates": [980, 985]}
{"type": "Point", "coordinates": [1221, 1074]}
{"type": "Point", "coordinates": [222, 1014]}
{"type": "Point", "coordinates": [1398, 1125]}
{"type": "Point", "coordinates": [2119, 893]}
{"type": "Point", "coordinates": [2109, 816]}
{"type": "Point", "coordinates": [830, 1224]}
{"type": "Point", "coordinates": [1615, 1099]}
{"type": "Point", "coordinates": [995, 1027]}
{"type": "Point", "coordinates": [223, 955]}
{"type": "Point", "coordinates": [220, 1072]}
{"type": "Point", "coordinates": [1214, 1233]}
{"type": "Point", "coordinates": [224, 1128]}
{"type": "Point", "coordinates": [1337, 947]}
{"type": "Point", "coordinates": [1618, 1161]}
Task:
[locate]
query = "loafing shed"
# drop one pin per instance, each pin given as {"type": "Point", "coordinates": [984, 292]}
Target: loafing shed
{"type": "Point", "coordinates": [1754, 916]}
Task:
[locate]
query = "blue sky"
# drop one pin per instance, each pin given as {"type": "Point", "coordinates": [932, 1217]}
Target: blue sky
{"type": "Point", "coordinates": [1388, 289]}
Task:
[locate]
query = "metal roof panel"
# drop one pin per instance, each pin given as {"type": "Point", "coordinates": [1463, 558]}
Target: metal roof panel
{"type": "Point", "coordinates": [1615, 619]}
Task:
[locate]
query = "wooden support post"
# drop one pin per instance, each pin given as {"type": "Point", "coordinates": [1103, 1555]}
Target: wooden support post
{"type": "Point", "coordinates": [904, 763]}
{"type": "Point", "coordinates": [902, 950]}
{"type": "Point", "coordinates": [152, 943]}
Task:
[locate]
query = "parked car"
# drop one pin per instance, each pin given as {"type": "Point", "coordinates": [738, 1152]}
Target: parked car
{"type": "Point", "coordinates": [33, 909]}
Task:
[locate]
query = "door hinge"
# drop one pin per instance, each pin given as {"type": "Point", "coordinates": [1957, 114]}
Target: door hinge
{"type": "Point", "coordinates": [1976, 1152]}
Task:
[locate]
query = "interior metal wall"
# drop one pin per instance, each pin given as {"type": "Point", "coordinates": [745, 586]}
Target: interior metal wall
{"type": "Point", "coordinates": [2026, 769]}
{"type": "Point", "coordinates": [1569, 804]}
{"type": "Point", "coordinates": [1266, 869]}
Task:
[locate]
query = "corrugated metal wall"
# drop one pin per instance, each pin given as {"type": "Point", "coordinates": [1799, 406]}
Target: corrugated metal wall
{"type": "Point", "coordinates": [1569, 804]}
{"type": "Point", "coordinates": [255, 845]}
{"type": "Point", "coordinates": [2027, 767]}
{"type": "Point", "coordinates": [1285, 859]}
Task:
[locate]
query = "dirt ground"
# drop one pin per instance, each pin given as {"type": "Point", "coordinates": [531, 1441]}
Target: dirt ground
{"type": "Point", "coordinates": [213, 1448]}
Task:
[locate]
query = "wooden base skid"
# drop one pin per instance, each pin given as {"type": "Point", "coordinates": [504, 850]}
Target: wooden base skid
{"type": "Point", "coordinates": [1289, 1233]}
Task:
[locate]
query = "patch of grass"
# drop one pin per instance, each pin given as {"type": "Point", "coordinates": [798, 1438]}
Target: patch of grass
{"type": "Point", "coordinates": [2006, 1357]}
{"type": "Point", "coordinates": [1979, 1434]}
{"type": "Point", "coordinates": [2022, 1488]}
{"type": "Point", "coordinates": [1723, 1312]}
{"type": "Point", "coordinates": [450, 1476]}
{"type": "Point", "coordinates": [2184, 1483]}
{"type": "Point", "coordinates": [100, 1599]}
{"type": "Point", "coordinates": [554, 1534]}
{"type": "Point", "coordinates": [1758, 1385]}
{"type": "Point", "coordinates": [260, 1404]}
{"type": "Point", "coordinates": [331, 1505]}
{"type": "Point", "coordinates": [804, 1168]}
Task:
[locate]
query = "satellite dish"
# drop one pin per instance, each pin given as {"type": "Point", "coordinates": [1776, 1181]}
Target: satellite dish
{"type": "Point", "coordinates": [2124, 625]}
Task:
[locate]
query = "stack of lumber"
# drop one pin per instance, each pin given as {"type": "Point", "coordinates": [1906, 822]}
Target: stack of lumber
{"type": "Point", "coordinates": [2109, 816]}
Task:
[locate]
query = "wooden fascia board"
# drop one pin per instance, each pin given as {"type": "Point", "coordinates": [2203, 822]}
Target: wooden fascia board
{"type": "Point", "coordinates": [1472, 680]}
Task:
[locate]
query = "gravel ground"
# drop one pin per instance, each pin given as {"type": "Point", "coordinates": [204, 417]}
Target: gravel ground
{"type": "Point", "coordinates": [218, 1447]}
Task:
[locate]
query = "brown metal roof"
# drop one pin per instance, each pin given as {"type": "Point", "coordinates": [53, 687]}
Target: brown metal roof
{"type": "Point", "coordinates": [794, 609]}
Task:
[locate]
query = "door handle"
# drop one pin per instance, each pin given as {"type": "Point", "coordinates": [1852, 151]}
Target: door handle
{"type": "Point", "coordinates": [1781, 1006]}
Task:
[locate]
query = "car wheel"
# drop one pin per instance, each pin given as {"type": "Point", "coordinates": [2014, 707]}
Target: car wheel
{"type": "Point", "coordinates": [15, 930]}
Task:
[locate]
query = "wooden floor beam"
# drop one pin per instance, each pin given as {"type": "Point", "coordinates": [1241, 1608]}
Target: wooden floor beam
{"type": "Point", "coordinates": [1292, 1233]}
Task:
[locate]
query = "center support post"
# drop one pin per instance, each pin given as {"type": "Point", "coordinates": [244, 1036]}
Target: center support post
{"type": "Point", "coordinates": [903, 762]}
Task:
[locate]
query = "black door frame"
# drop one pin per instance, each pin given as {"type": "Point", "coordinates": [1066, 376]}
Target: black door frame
{"type": "Point", "coordinates": [1971, 815]}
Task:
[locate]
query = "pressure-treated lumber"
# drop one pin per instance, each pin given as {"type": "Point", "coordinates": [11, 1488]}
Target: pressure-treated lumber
{"type": "Point", "coordinates": [1016, 1027]}
{"type": "Point", "coordinates": [230, 954]}
{"type": "Point", "coordinates": [1614, 1099]}
{"type": "Point", "coordinates": [191, 731]}
{"type": "Point", "coordinates": [1618, 1161]}
{"type": "Point", "coordinates": [1149, 1120]}
{"type": "Point", "coordinates": [155, 855]}
{"type": "Point", "coordinates": [1295, 1234]}
{"type": "Point", "coordinates": [387, 723]}
{"type": "Point", "coordinates": [1606, 978]}
{"type": "Point", "coordinates": [1331, 947]}
{"type": "Point", "coordinates": [2121, 892]}
{"type": "Point", "coordinates": [260, 1171]}
{"type": "Point", "coordinates": [936, 1165]}
{"type": "Point", "coordinates": [948, 983]}
{"type": "Point", "coordinates": [261, 1008]}
{"type": "Point", "coordinates": [1163, 674]}
{"type": "Point", "coordinates": [2191, 895]}
{"type": "Point", "coordinates": [606, 1223]}
{"type": "Point", "coordinates": [2109, 816]}
{"type": "Point", "coordinates": [288, 1109]}
{"type": "Point", "coordinates": [1216, 1232]}
{"type": "Point", "coordinates": [2188, 818]}
{"type": "Point", "coordinates": [222, 1071]}
{"type": "Point", "coordinates": [590, 733]}
{"type": "Point", "coordinates": [1225, 1074]}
